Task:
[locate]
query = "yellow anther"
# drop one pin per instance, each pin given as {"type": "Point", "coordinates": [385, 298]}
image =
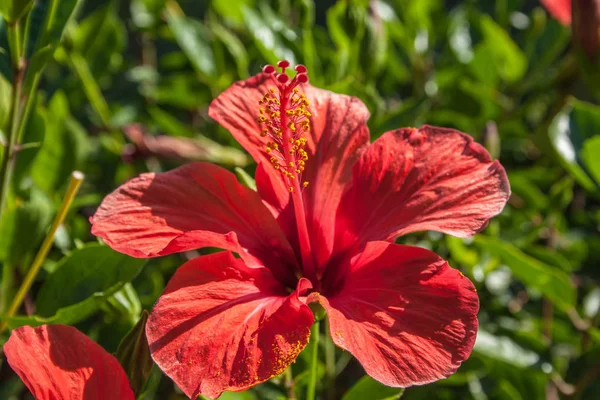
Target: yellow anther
{"type": "Point", "coordinates": [291, 189]}
{"type": "Point", "coordinates": [289, 113]}
{"type": "Point", "coordinates": [262, 118]}
{"type": "Point", "coordinates": [291, 164]}
{"type": "Point", "coordinates": [295, 90]}
{"type": "Point", "coordinates": [291, 140]}
{"type": "Point", "coordinates": [264, 133]}
{"type": "Point", "coordinates": [305, 184]}
{"type": "Point", "coordinates": [262, 109]}
{"type": "Point", "coordinates": [272, 90]}
{"type": "Point", "coordinates": [292, 126]}
{"type": "Point", "coordinates": [268, 150]}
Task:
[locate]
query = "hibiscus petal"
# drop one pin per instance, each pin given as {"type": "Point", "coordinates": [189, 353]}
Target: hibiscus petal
{"type": "Point", "coordinates": [559, 9]}
{"type": "Point", "coordinates": [421, 179]}
{"type": "Point", "coordinates": [57, 362]}
{"type": "Point", "coordinates": [196, 205]}
{"type": "Point", "coordinates": [405, 315]}
{"type": "Point", "coordinates": [338, 136]}
{"type": "Point", "coordinates": [220, 326]}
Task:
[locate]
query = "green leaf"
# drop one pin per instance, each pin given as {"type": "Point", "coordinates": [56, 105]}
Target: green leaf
{"type": "Point", "coordinates": [35, 25]}
{"type": "Point", "coordinates": [245, 178]}
{"type": "Point", "coordinates": [507, 57]}
{"type": "Point", "coordinates": [504, 349]}
{"type": "Point", "coordinates": [84, 273]}
{"type": "Point", "coordinates": [5, 64]}
{"type": "Point", "coordinates": [192, 37]}
{"type": "Point", "coordinates": [13, 10]}
{"type": "Point", "coordinates": [590, 154]}
{"type": "Point", "coordinates": [369, 388]}
{"type": "Point", "coordinates": [551, 282]}
{"type": "Point", "coordinates": [134, 355]}
{"type": "Point", "coordinates": [68, 315]}
{"type": "Point", "coordinates": [267, 41]}
{"type": "Point", "coordinates": [24, 228]}
{"type": "Point", "coordinates": [63, 148]}
{"type": "Point", "coordinates": [577, 122]}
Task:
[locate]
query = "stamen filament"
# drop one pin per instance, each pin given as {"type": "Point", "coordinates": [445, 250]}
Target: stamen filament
{"type": "Point", "coordinates": [284, 120]}
{"type": "Point", "coordinates": [303, 237]}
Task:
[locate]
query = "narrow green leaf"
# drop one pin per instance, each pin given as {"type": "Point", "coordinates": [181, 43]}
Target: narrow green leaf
{"type": "Point", "coordinates": [508, 58]}
{"type": "Point", "coordinates": [63, 148]}
{"type": "Point", "coordinates": [134, 355]}
{"type": "Point", "coordinates": [35, 25]}
{"type": "Point", "coordinates": [369, 388]}
{"type": "Point", "coordinates": [5, 64]}
{"type": "Point", "coordinates": [13, 10]}
{"type": "Point", "coordinates": [245, 178]}
{"type": "Point", "coordinates": [191, 36]}
{"type": "Point", "coordinates": [551, 282]}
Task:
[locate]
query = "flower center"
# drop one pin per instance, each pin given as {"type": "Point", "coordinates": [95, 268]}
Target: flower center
{"type": "Point", "coordinates": [284, 118]}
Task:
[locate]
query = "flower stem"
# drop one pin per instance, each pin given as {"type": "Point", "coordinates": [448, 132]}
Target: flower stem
{"type": "Point", "coordinates": [314, 361]}
{"type": "Point", "coordinates": [36, 265]}
{"type": "Point", "coordinates": [329, 363]}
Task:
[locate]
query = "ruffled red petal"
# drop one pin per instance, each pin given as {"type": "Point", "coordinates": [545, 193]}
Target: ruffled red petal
{"type": "Point", "coordinates": [58, 362]}
{"type": "Point", "coordinates": [405, 315]}
{"type": "Point", "coordinates": [421, 179]}
{"type": "Point", "coordinates": [193, 206]}
{"type": "Point", "coordinates": [221, 325]}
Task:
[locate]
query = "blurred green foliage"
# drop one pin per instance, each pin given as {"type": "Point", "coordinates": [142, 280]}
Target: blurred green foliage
{"type": "Point", "coordinates": [116, 88]}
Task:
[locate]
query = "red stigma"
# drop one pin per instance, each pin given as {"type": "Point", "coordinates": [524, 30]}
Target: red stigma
{"type": "Point", "coordinates": [283, 64]}
{"type": "Point", "coordinates": [268, 69]}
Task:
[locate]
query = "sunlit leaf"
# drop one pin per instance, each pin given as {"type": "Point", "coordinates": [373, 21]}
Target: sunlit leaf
{"type": "Point", "coordinates": [577, 122]}
{"type": "Point", "coordinates": [551, 282]}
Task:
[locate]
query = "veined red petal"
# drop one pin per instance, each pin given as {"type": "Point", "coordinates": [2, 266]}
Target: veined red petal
{"type": "Point", "coordinates": [413, 180]}
{"type": "Point", "coordinates": [220, 326]}
{"type": "Point", "coordinates": [559, 9]}
{"type": "Point", "coordinates": [57, 362]}
{"type": "Point", "coordinates": [337, 138]}
{"type": "Point", "coordinates": [193, 206]}
{"type": "Point", "coordinates": [405, 315]}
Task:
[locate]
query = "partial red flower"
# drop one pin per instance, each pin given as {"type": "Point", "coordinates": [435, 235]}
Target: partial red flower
{"type": "Point", "coordinates": [57, 362]}
{"type": "Point", "coordinates": [559, 9]}
{"type": "Point", "coordinates": [320, 228]}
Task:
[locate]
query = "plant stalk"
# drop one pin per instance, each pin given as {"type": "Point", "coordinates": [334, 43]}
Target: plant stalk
{"type": "Point", "coordinates": [314, 361]}
{"type": "Point", "coordinates": [36, 265]}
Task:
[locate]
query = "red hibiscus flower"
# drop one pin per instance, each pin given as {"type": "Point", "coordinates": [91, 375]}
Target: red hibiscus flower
{"type": "Point", "coordinates": [58, 362]}
{"type": "Point", "coordinates": [320, 228]}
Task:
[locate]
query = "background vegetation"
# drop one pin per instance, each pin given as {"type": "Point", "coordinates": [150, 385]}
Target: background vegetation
{"type": "Point", "coordinates": [127, 90]}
